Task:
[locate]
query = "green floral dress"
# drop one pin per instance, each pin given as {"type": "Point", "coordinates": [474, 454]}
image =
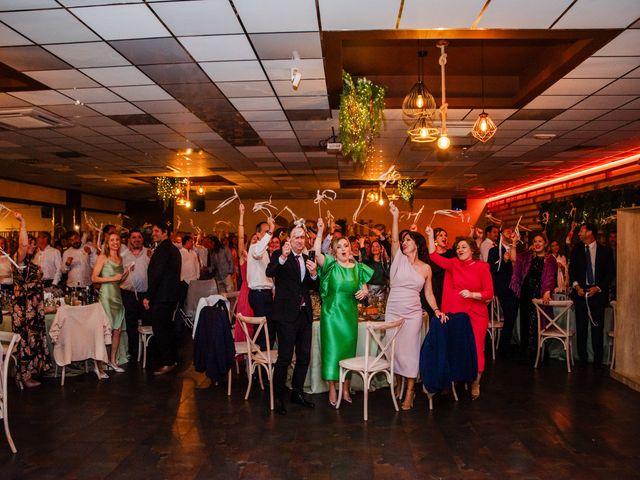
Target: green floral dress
{"type": "Point", "coordinates": [28, 321]}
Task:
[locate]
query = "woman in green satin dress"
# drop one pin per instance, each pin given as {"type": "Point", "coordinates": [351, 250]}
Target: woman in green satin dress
{"type": "Point", "coordinates": [342, 284]}
{"type": "Point", "coordinates": [109, 272]}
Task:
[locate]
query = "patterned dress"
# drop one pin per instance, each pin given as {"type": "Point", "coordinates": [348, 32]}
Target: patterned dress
{"type": "Point", "coordinates": [28, 321]}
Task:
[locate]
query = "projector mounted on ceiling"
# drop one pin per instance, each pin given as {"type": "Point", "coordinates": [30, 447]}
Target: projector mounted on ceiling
{"type": "Point", "coordinates": [31, 118]}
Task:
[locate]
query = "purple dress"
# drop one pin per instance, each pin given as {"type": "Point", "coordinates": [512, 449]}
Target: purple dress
{"type": "Point", "coordinates": [404, 302]}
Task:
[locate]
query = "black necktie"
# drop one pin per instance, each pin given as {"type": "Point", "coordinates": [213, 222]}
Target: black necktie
{"type": "Point", "coordinates": [590, 280]}
{"type": "Point", "coordinates": [299, 262]}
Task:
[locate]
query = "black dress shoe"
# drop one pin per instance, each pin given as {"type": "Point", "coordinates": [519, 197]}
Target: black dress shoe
{"type": "Point", "coordinates": [280, 409]}
{"type": "Point", "coordinates": [299, 399]}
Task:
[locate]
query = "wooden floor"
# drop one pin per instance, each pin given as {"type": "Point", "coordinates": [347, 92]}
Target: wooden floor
{"type": "Point", "coordinates": [528, 424]}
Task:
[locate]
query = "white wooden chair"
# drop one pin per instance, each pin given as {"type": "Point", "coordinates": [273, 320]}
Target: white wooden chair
{"type": "Point", "coordinates": [258, 358]}
{"type": "Point", "coordinates": [241, 347]}
{"type": "Point", "coordinates": [612, 336]}
{"type": "Point", "coordinates": [145, 332]}
{"type": "Point", "coordinates": [369, 366]}
{"type": "Point", "coordinates": [8, 343]}
{"type": "Point", "coordinates": [496, 324]}
{"type": "Point", "coordinates": [558, 328]}
{"type": "Point", "coordinates": [232, 297]}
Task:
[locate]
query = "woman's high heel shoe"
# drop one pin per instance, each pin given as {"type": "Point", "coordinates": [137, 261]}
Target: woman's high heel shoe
{"type": "Point", "coordinates": [30, 383]}
{"type": "Point", "coordinates": [99, 373]}
{"type": "Point", "coordinates": [408, 400]}
{"type": "Point", "coordinates": [115, 367]}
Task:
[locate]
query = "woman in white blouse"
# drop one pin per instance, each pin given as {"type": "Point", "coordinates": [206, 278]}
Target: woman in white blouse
{"type": "Point", "coordinates": [563, 275]}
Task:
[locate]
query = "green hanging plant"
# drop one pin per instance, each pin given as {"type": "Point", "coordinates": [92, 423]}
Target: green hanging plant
{"type": "Point", "coordinates": [361, 116]}
{"type": "Point", "coordinates": [406, 189]}
{"type": "Point", "coordinates": [165, 189]}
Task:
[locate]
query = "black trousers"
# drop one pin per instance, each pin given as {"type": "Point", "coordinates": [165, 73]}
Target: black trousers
{"type": "Point", "coordinates": [597, 305]}
{"type": "Point", "coordinates": [133, 311]}
{"type": "Point", "coordinates": [296, 334]}
{"type": "Point", "coordinates": [510, 305]}
{"type": "Point", "coordinates": [163, 332]}
{"type": "Point", "coordinates": [261, 302]}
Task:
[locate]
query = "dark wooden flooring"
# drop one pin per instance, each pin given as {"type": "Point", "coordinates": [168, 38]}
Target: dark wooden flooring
{"type": "Point", "coordinates": [527, 424]}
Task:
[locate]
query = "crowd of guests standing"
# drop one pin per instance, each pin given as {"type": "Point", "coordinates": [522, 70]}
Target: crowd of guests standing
{"type": "Point", "coordinates": [275, 272]}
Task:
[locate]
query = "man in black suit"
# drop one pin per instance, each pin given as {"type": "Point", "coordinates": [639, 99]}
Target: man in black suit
{"type": "Point", "coordinates": [591, 271]}
{"type": "Point", "coordinates": [293, 274]}
{"type": "Point", "coordinates": [163, 292]}
{"type": "Point", "coordinates": [501, 270]}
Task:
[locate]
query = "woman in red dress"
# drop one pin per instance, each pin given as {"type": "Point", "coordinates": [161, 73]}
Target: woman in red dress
{"type": "Point", "coordinates": [467, 288]}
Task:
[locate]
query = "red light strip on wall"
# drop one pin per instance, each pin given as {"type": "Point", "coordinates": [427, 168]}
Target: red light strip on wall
{"type": "Point", "coordinates": [569, 176]}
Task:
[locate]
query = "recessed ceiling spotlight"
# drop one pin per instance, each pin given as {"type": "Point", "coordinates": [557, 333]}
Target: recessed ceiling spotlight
{"type": "Point", "coordinates": [545, 136]}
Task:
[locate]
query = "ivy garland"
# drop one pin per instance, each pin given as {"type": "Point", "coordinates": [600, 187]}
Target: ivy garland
{"type": "Point", "coordinates": [406, 189]}
{"type": "Point", "coordinates": [596, 207]}
{"type": "Point", "coordinates": [361, 116]}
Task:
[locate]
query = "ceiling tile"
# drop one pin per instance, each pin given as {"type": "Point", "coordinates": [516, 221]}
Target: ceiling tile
{"type": "Point", "coordinates": [553, 101]}
{"type": "Point", "coordinates": [281, 69]}
{"type": "Point", "coordinates": [627, 115]}
{"type": "Point", "coordinates": [8, 5]}
{"type": "Point", "coordinates": [577, 86]}
{"type": "Point", "coordinates": [175, 73]}
{"type": "Point", "coordinates": [187, 92]}
{"type": "Point", "coordinates": [360, 14]}
{"type": "Point", "coordinates": [92, 95]}
{"type": "Point", "coordinates": [280, 45]}
{"type": "Point", "coordinates": [119, 108]}
{"type": "Point", "coordinates": [582, 114]}
{"type": "Point", "coordinates": [259, 16]}
{"type": "Point", "coordinates": [94, 54]}
{"type": "Point", "coordinates": [162, 106]}
{"type": "Point", "coordinates": [264, 115]}
{"type": "Point", "coordinates": [418, 13]}
{"type": "Point", "coordinates": [201, 17]}
{"type": "Point", "coordinates": [86, 3]}
{"type": "Point", "coordinates": [604, 67]}
{"type": "Point", "coordinates": [246, 89]}
{"type": "Point", "coordinates": [627, 44]}
{"type": "Point", "coordinates": [169, 118]}
{"type": "Point", "coordinates": [62, 79]}
{"type": "Point", "coordinates": [48, 26]}
{"type": "Point", "coordinates": [599, 14]}
{"type": "Point", "coordinates": [261, 103]}
{"type": "Point", "coordinates": [9, 37]}
{"type": "Point", "coordinates": [218, 48]}
{"type": "Point", "coordinates": [632, 105]}
{"type": "Point", "coordinates": [142, 93]}
{"type": "Point", "coordinates": [306, 88]}
{"type": "Point", "coordinates": [7, 100]}
{"type": "Point", "coordinates": [496, 114]}
{"type": "Point", "coordinates": [522, 13]}
{"type": "Point", "coordinates": [30, 58]}
{"type": "Point", "coordinates": [43, 97]}
{"type": "Point", "coordinates": [149, 51]}
{"type": "Point", "coordinates": [304, 103]}
{"type": "Point", "coordinates": [233, 71]}
{"type": "Point", "coordinates": [116, 22]}
{"type": "Point", "coordinates": [604, 102]}
{"type": "Point", "coordinates": [267, 126]}
{"type": "Point", "coordinates": [624, 86]}
{"type": "Point", "coordinates": [117, 76]}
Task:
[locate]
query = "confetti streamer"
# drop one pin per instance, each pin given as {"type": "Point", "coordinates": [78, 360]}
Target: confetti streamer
{"type": "Point", "coordinates": [287, 209]}
{"type": "Point", "coordinates": [6, 255]}
{"type": "Point", "coordinates": [5, 211]}
{"type": "Point", "coordinates": [326, 195]}
{"type": "Point", "coordinates": [178, 222]}
{"type": "Point", "coordinates": [226, 202]}
{"type": "Point", "coordinates": [492, 219]}
{"type": "Point", "coordinates": [330, 218]}
{"type": "Point", "coordinates": [224, 222]}
{"type": "Point", "coordinates": [195, 227]}
{"type": "Point", "coordinates": [412, 215]}
{"type": "Point", "coordinates": [265, 207]}
{"type": "Point", "coordinates": [609, 219]}
{"type": "Point", "coordinates": [390, 177]}
{"type": "Point", "coordinates": [450, 213]}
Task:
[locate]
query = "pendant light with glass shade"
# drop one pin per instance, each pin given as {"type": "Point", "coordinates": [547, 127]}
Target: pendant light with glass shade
{"type": "Point", "coordinates": [484, 128]}
{"type": "Point", "coordinates": [423, 131]}
{"type": "Point", "coordinates": [419, 102]}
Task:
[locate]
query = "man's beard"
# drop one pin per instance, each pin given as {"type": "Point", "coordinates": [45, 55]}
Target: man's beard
{"type": "Point", "coordinates": [76, 244]}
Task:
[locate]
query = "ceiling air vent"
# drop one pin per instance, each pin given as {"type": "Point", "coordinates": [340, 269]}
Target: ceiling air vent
{"type": "Point", "coordinates": [31, 118]}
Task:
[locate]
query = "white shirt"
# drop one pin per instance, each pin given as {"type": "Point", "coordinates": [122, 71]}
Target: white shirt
{"type": "Point", "coordinates": [137, 280]}
{"type": "Point", "coordinates": [257, 263]}
{"type": "Point", "coordinates": [49, 260]}
{"type": "Point", "coordinates": [592, 253]}
{"type": "Point", "coordinates": [190, 265]}
{"type": "Point", "coordinates": [203, 255]}
{"type": "Point", "coordinates": [80, 270]}
{"type": "Point", "coordinates": [485, 246]}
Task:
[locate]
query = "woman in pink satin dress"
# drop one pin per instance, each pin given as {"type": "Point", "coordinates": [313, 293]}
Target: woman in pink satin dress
{"type": "Point", "coordinates": [410, 274]}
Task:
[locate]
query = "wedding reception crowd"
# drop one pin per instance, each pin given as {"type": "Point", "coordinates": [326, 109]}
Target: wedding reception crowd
{"type": "Point", "coordinates": [311, 271]}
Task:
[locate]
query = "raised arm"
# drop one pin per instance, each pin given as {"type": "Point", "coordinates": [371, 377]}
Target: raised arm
{"type": "Point", "coordinates": [242, 249]}
{"type": "Point", "coordinates": [23, 243]}
{"type": "Point", "coordinates": [514, 246]}
{"type": "Point", "coordinates": [442, 262]}
{"type": "Point", "coordinates": [317, 245]}
{"type": "Point", "coordinates": [431, 243]}
{"type": "Point", "coordinates": [395, 239]}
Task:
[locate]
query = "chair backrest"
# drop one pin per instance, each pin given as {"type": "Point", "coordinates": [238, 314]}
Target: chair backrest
{"type": "Point", "coordinates": [565, 307]}
{"type": "Point", "coordinates": [8, 342]}
{"type": "Point", "coordinates": [495, 311]}
{"type": "Point", "coordinates": [232, 297]}
{"type": "Point", "coordinates": [260, 324]}
{"type": "Point", "coordinates": [387, 348]}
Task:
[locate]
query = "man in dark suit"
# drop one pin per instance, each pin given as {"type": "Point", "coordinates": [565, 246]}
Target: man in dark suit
{"type": "Point", "coordinates": [501, 270]}
{"type": "Point", "coordinates": [591, 272]}
{"type": "Point", "coordinates": [163, 292]}
{"type": "Point", "coordinates": [294, 274]}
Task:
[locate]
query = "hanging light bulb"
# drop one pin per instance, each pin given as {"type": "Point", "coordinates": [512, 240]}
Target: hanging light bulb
{"type": "Point", "coordinates": [423, 131]}
{"type": "Point", "coordinates": [201, 190]}
{"type": "Point", "coordinates": [393, 197]}
{"type": "Point", "coordinates": [187, 204]}
{"type": "Point", "coordinates": [444, 141]}
{"type": "Point", "coordinates": [372, 196]}
{"type": "Point", "coordinates": [419, 101]}
{"type": "Point", "coordinates": [177, 191]}
{"type": "Point", "coordinates": [180, 201]}
{"type": "Point", "coordinates": [484, 128]}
